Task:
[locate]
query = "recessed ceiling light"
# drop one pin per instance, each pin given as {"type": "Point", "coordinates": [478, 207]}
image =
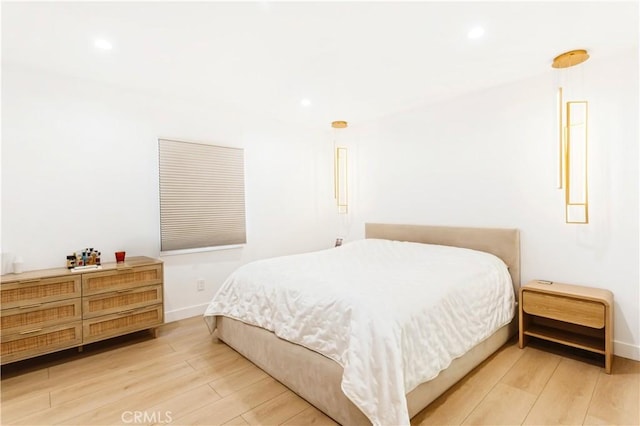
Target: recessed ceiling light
{"type": "Point", "coordinates": [305, 102]}
{"type": "Point", "coordinates": [475, 32]}
{"type": "Point", "coordinates": [102, 44]}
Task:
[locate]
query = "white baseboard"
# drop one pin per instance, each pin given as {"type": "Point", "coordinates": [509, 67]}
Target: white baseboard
{"type": "Point", "coordinates": [626, 350]}
{"type": "Point", "coordinates": [182, 313]}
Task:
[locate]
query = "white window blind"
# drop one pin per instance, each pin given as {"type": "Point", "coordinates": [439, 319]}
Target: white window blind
{"type": "Point", "coordinates": [201, 195]}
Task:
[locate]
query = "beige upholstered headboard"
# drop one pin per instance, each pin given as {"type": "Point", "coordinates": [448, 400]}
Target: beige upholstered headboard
{"type": "Point", "coordinates": [501, 242]}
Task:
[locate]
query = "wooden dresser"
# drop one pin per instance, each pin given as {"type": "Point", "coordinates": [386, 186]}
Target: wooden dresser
{"type": "Point", "coordinates": [49, 310]}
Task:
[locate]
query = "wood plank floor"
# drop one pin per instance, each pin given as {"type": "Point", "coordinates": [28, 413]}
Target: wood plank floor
{"type": "Point", "coordinates": [182, 377]}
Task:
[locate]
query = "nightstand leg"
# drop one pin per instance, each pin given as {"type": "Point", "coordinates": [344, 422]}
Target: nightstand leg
{"type": "Point", "coordinates": [523, 323]}
{"type": "Point", "coordinates": [608, 340]}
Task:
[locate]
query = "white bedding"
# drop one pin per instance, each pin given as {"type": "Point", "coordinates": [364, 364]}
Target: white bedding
{"type": "Point", "coordinates": [392, 314]}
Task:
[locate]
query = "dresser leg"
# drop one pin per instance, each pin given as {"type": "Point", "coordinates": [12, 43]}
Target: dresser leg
{"type": "Point", "coordinates": [80, 348]}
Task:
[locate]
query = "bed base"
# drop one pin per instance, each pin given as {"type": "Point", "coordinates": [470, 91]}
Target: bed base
{"type": "Point", "coordinates": [317, 378]}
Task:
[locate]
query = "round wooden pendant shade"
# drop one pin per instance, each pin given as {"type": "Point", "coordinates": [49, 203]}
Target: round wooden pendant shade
{"type": "Point", "coordinates": [570, 58]}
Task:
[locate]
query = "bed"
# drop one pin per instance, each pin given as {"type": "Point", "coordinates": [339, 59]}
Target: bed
{"type": "Point", "coordinates": [322, 379]}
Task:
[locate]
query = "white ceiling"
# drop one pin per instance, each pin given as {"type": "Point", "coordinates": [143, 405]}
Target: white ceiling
{"type": "Point", "coordinates": [354, 61]}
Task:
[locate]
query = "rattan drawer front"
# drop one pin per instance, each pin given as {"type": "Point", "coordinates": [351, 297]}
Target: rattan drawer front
{"type": "Point", "coordinates": [38, 341]}
{"type": "Point", "coordinates": [126, 322]}
{"type": "Point", "coordinates": [567, 309]}
{"type": "Point", "coordinates": [21, 293]}
{"type": "Point", "coordinates": [121, 278]}
{"type": "Point", "coordinates": [114, 302]}
{"type": "Point", "coordinates": [40, 315]}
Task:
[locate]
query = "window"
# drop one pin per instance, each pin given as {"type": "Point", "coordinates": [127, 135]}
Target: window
{"type": "Point", "coordinates": [201, 195]}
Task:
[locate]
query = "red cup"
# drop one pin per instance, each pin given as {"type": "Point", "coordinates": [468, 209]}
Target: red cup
{"type": "Point", "coordinates": [120, 256]}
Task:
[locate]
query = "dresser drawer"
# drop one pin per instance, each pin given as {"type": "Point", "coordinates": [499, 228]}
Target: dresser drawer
{"type": "Point", "coordinates": [40, 315]}
{"type": "Point", "coordinates": [121, 300]}
{"type": "Point", "coordinates": [29, 292]}
{"type": "Point", "coordinates": [125, 322]}
{"type": "Point", "coordinates": [38, 341]}
{"type": "Point", "coordinates": [582, 312]}
{"type": "Point", "coordinates": [120, 279]}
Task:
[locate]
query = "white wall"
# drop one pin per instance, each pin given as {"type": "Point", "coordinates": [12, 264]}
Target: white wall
{"type": "Point", "coordinates": [80, 169]}
{"type": "Point", "coordinates": [489, 159]}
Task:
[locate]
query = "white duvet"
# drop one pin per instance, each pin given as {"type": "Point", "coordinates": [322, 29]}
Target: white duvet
{"type": "Point", "coordinates": [392, 314]}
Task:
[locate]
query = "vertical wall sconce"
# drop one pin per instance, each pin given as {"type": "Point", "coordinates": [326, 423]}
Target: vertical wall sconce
{"type": "Point", "coordinates": [340, 170]}
{"type": "Point", "coordinates": [572, 143]}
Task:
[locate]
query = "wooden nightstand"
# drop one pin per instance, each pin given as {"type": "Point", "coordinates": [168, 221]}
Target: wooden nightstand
{"type": "Point", "coordinates": [577, 316]}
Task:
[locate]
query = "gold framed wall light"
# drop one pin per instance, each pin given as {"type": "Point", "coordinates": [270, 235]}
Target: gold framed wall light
{"type": "Point", "coordinates": [340, 170]}
{"type": "Point", "coordinates": [573, 120]}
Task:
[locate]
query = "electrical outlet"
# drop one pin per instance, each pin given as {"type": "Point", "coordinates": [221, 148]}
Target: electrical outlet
{"type": "Point", "coordinates": [200, 285]}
